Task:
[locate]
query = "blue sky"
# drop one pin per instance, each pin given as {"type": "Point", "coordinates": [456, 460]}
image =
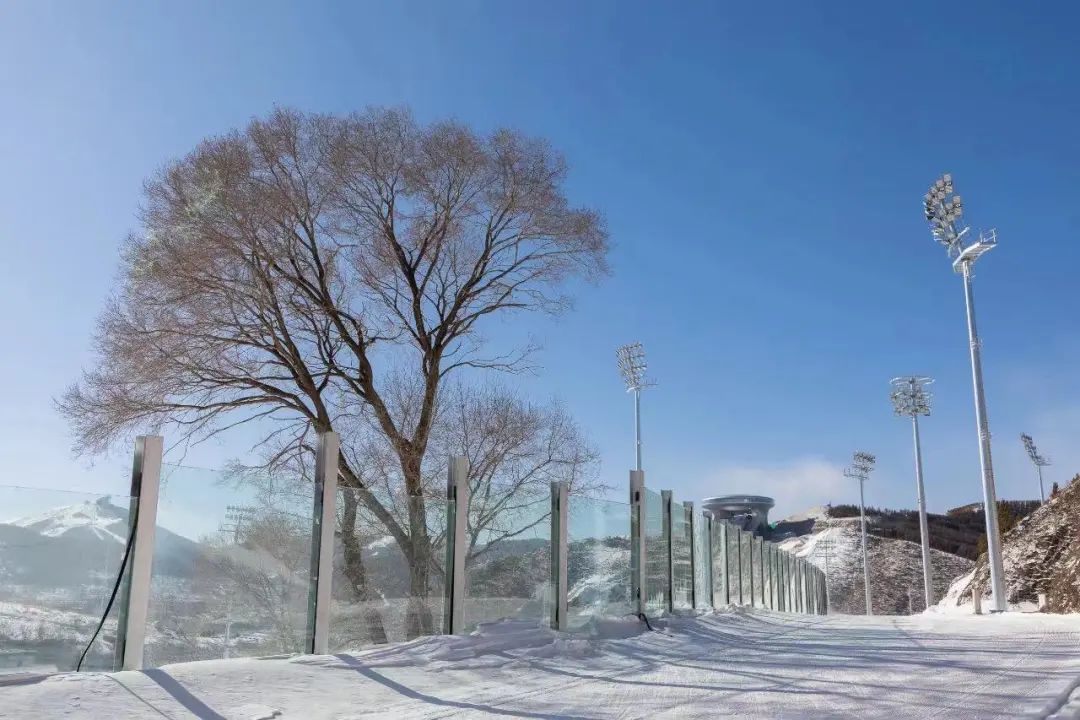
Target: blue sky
{"type": "Point", "coordinates": [760, 165]}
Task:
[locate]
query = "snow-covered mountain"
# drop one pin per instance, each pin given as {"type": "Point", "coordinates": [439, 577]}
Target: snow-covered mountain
{"type": "Point", "coordinates": [896, 582]}
{"type": "Point", "coordinates": [1041, 555]}
{"type": "Point", "coordinates": [101, 518]}
{"type": "Point", "coordinates": [81, 544]}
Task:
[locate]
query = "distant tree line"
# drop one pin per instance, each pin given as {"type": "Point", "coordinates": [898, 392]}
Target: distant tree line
{"type": "Point", "coordinates": [961, 532]}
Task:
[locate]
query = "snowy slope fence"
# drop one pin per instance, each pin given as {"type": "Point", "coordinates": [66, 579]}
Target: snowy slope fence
{"type": "Point", "coordinates": [692, 560]}
{"type": "Point", "coordinates": [260, 566]}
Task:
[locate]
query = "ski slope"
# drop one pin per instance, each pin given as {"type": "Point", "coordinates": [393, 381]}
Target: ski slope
{"type": "Point", "coordinates": [730, 664]}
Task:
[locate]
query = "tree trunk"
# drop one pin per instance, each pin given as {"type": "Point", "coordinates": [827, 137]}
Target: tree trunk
{"type": "Point", "coordinates": [418, 618]}
{"type": "Point", "coordinates": [357, 574]}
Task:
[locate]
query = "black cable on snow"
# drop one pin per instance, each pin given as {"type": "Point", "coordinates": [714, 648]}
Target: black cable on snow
{"type": "Point", "coordinates": [116, 589]}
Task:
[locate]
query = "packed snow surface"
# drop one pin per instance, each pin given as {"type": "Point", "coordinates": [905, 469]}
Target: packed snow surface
{"type": "Point", "coordinates": [730, 664]}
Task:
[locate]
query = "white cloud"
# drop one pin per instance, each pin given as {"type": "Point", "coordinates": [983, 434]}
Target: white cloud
{"type": "Point", "coordinates": [796, 485]}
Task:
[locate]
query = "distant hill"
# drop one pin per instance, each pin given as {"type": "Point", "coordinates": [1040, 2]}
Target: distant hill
{"type": "Point", "coordinates": [961, 531]}
{"type": "Point", "coordinates": [834, 546]}
{"type": "Point", "coordinates": [1041, 554]}
{"type": "Point", "coordinates": [80, 545]}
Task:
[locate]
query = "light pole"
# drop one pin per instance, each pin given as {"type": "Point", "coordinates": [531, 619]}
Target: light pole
{"type": "Point", "coordinates": [909, 397]}
{"type": "Point", "coordinates": [632, 366]}
{"type": "Point", "coordinates": [862, 464]}
{"type": "Point", "coordinates": [825, 544]}
{"type": "Point", "coordinates": [943, 209]}
{"type": "Point", "coordinates": [1036, 459]}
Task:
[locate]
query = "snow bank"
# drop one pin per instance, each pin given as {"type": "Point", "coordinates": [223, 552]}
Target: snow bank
{"type": "Point", "coordinates": [740, 664]}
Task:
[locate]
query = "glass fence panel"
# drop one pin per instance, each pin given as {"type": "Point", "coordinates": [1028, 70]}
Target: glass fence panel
{"type": "Point", "coordinates": [60, 554]}
{"type": "Point", "coordinates": [232, 561]}
{"type": "Point", "coordinates": [507, 570]}
{"type": "Point", "coordinates": [702, 566]}
{"type": "Point", "coordinates": [598, 560]}
{"type": "Point", "coordinates": [734, 539]}
{"type": "Point", "coordinates": [770, 575]}
{"type": "Point", "coordinates": [759, 573]}
{"type": "Point", "coordinates": [719, 568]}
{"type": "Point", "coordinates": [380, 595]}
{"type": "Point", "coordinates": [656, 554]}
{"type": "Point", "coordinates": [682, 573]}
{"type": "Point", "coordinates": [747, 567]}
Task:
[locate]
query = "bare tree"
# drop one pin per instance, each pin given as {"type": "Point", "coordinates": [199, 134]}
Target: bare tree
{"type": "Point", "coordinates": [288, 273]}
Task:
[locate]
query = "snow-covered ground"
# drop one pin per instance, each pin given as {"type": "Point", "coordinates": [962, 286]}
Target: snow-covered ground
{"type": "Point", "coordinates": [730, 664]}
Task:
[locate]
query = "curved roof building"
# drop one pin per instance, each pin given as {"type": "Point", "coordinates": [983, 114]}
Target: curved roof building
{"type": "Point", "coordinates": [750, 512]}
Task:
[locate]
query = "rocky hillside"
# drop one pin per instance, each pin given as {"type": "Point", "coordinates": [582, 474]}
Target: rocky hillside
{"type": "Point", "coordinates": [833, 544]}
{"type": "Point", "coordinates": [1041, 554]}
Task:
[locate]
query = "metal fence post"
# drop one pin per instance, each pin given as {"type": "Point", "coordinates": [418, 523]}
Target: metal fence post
{"type": "Point", "coordinates": [789, 589]}
{"type": "Point", "coordinates": [665, 497]}
{"type": "Point", "coordinates": [776, 577]}
{"type": "Point", "coordinates": [457, 515]}
{"type": "Point", "coordinates": [323, 522]}
{"type": "Point", "coordinates": [750, 549]}
{"type": "Point", "coordinates": [738, 559]}
{"type": "Point", "coordinates": [710, 558]}
{"type": "Point", "coordinates": [725, 586]}
{"type": "Point", "coordinates": [637, 541]}
{"type": "Point", "coordinates": [759, 542]}
{"type": "Point", "coordinates": [769, 573]}
{"type": "Point", "coordinates": [798, 584]}
{"type": "Point", "coordinates": [142, 524]}
{"type": "Point", "coordinates": [559, 516]}
{"type": "Point", "coordinates": [782, 563]}
{"type": "Point", "coordinates": [690, 528]}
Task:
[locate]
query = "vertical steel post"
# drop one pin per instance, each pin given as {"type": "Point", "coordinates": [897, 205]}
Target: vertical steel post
{"type": "Point", "coordinates": [637, 425]}
{"type": "Point", "coordinates": [142, 524]}
{"type": "Point", "coordinates": [993, 535]}
{"type": "Point", "coordinates": [323, 523]}
{"type": "Point", "coordinates": [637, 587]}
{"type": "Point", "coordinates": [924, 528]}
{"type": "Point", "coordinates": [725, 587]}
{"type": "Point", "coordinates": [637, 541]}
{"type": "Point", "coordinates": [738, 558]}
{"type": "Point", "coordinates": [665, 496]}
{"type": "Point", "coordinates": [865, 554]}
{"type": "Point", "coordinates": [690, 528]}
{"type": "Point", "coordinates": [775, 598]}
{"type": "Point", "coordinates": [710, 558]}
{"type": "Point", "coordinates": [558, 556]}
{"type": "Point", "coordinates": [759, 551]}
{"type": "Point", "coordinates": [457, 516]}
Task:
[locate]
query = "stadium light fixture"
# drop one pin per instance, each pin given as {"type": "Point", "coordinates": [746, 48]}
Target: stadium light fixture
{"type": "Point", "coordinates": [632, 367]}
{"type": "Point", "coordinates": [1036, 459]}
{"type": "Point", "coordinates": [910, 398]}
{"type": "Point", "coordinates": [862, 464]}
{"type": "Point", "coordinates": [944, 210]}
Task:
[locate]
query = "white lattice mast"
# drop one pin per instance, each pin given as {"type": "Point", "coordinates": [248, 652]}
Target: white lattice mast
{"type": "Point", "coordinates": [632, 367]}
{"type": "Point", "coordinates": [862, 464]}
{"type": "Point", "coordinates": [1037, 460]}
{"type": "Point", "coordinates": [943, 210]}
{"type": "Point", "coordinates": [910, 398]}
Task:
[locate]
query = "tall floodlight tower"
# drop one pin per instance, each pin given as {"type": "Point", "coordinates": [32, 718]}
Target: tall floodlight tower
{"type": "Point", "coordinates": [944, 210]}
{"type": "Point", "coordinates": [1036, 459]}
{"type": "Point", "coordinates": [909, 397]}
{"type": "Point", "coordinates": [632, 367]}
{"type": "Point", "coordinates": [862, 464]}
